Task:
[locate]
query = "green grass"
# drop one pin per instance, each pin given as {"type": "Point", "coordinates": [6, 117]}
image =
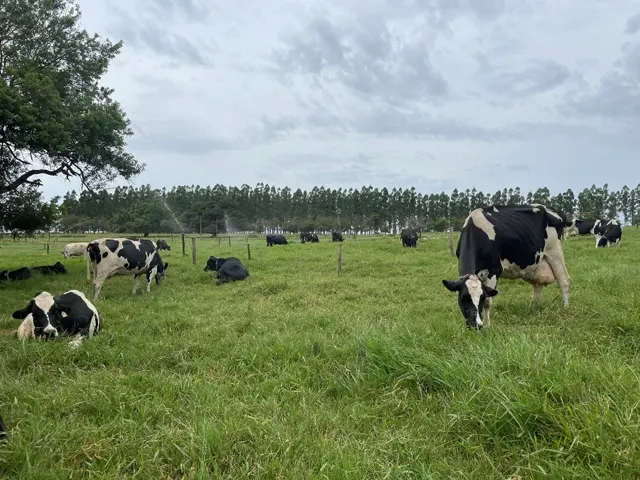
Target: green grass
{"type": "Point", "coordinates": [300, 373]}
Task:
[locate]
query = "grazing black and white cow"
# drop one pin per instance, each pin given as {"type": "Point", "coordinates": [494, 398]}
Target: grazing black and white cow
{"type": "Point", "coordinates": [121, 256]}
{"type": "Point", "coordinates": [336, 237]}
{"type": "Point", "coordinates": [512, 242]}
{"type": "Point", "coordinates": [276, 240]}
{"type": "Point", "coordinates": [163, 245]}
{"type": "Point", "coordinates": [56, 269]}
{"type": "Point", "coordinates": [228, 269]}
{"type": "Point", "coordinates": [46, 316]}
{"type": "Point", "coordinates": [409, 237]}
{"type": "Point", "coordinates": [581, 226]}
{"type": "Point", "coordinates": [608, 234]}
{"type": "Point", "coordinates": [23, 273]}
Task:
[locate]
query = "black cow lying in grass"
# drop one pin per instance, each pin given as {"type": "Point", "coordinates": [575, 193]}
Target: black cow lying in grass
{"type": "Point", "coordinates": [227, 269]}
{"type": "Point", "coordinates": [57, 269]}
{"type": "Point", "coordinates": [23, 273]}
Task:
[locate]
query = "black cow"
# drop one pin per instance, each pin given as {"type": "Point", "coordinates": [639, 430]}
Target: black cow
{"type": "Point", "coordinates": [227, 269]}
{"type": "Point", "coordinates": [336, 237]}
{"type": "Point", "coordinates": [56, 269]}
{"type": "Point", "coordinates": [23, 273]}
{"type": "Point", "coordinates": [46, 316]}
{"type": "Point", "coordinates": [583, 226]}
{"type": "Point", "coordinates": [163, 245]}
{"type": "Point", "coordinates": [608, 234]}
{"type": "Point", "coordinates": [409, 237]}
{"type": "Point", "coordinates": [121, 256]}
{"type": "Point", "coordinates": [511, 242]}
{"type": "Point", "coordinates": [276, 240]}
{"type": "Point", "coordinates": [305, 237]}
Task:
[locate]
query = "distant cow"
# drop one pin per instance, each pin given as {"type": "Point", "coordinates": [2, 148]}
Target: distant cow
{"type": "Point", "coordinates": [78, 250]}
{"type": "Point", "coordinates": [163, 245]}
{"type": "Point", "coordinates": [336, 237]}
{"type": "Point", "coordinates": [23, 273]}
{"type": "Point", "coordinates": [608, 234]}
{"type": "Point", "coordinates": [276, 240]}
{"type": "Point", "coordinates": [121, 256]}
{"type": "Point", "coordinates": [409, 237]}
{"type": "Point", "coordinates": [46, 316]}
{"type": "Point", "coordinates": [583, 226]}
{"type": "Point", "coordinates": [511, 242]}
{"type": "Point", "coordinates": [56, 269]}
{"type": "Point", "coordinates": [228, 269]}
{"type": "Point", "coordinates": [305, 237]}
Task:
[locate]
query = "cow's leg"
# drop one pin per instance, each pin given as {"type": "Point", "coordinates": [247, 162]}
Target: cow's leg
{"type": "Point", "coordinates": [77, 340]}
{"type": "Point", "coordinates": [491, 282]}
{"type": "Point", "coordinates": [555, 259]}
{"type": "Point", "coordinates": [88, 261]}
{"type": "Point", "coordinates": [136, 283]}
{"type": "Point", "coordinates": [98, 281]}
{"type": "Point", "coordinates": [150, 275]}
{"type": "Point", "coordinates": [537, 291]}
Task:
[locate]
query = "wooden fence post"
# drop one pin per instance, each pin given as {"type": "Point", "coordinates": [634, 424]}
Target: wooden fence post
{"type": "Point", "coordinates": [193, 250]}
{"type": "Point", "coordinates": [47, 249]}
{"type": "Point", "coordinates": [451, 250]}
{"type": "Point", "coordinates": [219, 241]}
{"type": "Point", "coordinates": [229, 240]}
{"type": "Point", "coordinates": [184, 252]}
{"type": "Point", "coordinates": [249, 250]}
{"type": "Point", "coordinates": [339, 258]}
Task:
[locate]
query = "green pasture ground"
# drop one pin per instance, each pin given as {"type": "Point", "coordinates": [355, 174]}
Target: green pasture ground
{"type": "Point", "coordinates": [301, 373]}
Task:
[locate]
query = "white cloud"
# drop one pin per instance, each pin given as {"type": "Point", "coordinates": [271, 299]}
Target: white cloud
{"type": "Point", "coordinates": [434, 94]}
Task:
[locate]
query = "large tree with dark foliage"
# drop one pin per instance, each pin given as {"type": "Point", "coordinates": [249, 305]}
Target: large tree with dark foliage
{"type": "Point", "coordinates": [55, 118]}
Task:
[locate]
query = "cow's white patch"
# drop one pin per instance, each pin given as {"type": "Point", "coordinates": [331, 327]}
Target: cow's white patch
{"type": "Point", "coordinates": [44, 301]}
{"type": "Point", "coordinates": [480, 221]}
{"type": "Point", "coordinates": [26, 330]}
{"type": "Point", "coordinates": [495, 209]}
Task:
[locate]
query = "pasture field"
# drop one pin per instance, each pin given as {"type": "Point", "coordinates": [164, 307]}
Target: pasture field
{"type": "Point", "coordinates": [300, 373]}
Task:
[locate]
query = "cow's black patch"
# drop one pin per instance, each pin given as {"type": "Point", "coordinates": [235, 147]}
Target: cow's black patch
{"type": "Point", "coordinates": [112, 245]}
{"type": "Point", "coordinates": [409, 237]}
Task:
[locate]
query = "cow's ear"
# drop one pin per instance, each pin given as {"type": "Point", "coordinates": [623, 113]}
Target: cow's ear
{"type": "Point", "coordinates": [489, 292]}
{"type": "Point", "coordinates": [22, 314]}
{"type": "Point", "coordinates": [452, 285]}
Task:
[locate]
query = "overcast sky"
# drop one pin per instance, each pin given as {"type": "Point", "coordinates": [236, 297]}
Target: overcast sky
{"type": "Point", "coordinates": [435, 94]}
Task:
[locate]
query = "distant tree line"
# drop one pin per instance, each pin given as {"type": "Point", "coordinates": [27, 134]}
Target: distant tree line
{"type": "Point", "coordinates": [265, 208]}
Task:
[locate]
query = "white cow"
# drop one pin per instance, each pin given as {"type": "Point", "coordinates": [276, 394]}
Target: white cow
{"type": "Point", "coordinates": [78, 250]}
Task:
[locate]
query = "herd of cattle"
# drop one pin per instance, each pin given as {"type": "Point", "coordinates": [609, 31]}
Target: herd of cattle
{"type": "Point", "coordinates": [514, 242]}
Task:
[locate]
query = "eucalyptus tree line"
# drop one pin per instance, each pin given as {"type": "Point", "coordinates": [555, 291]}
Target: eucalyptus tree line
{"type": "Point", "coordinates": [266, 208]}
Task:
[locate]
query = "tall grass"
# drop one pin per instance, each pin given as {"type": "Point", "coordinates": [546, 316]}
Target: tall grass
{"type": "Point", "coordinates": [300, 373]}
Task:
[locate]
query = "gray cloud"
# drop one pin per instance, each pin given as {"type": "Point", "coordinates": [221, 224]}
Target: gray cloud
{"type": "Point", "coordinates": [189, 10]}
{"type": "Point", "coordinates": [539, 76]}
{"type": "Point", "coordinates": [633, 24]}
{"type": "Point", "coordinates": [146, 33]}
{"type": "Point", "coordinates": [365, 56]}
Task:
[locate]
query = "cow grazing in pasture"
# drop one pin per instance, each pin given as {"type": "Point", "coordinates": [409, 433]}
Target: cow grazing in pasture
{"type": "Point", "coordinates": [336, 237]}
{"type": "Point", "coordinates": [56, 269]}
{"type": "Point", "coordinates": [582, 226]}
{"type": "Point", "coordinates": [163, 245]}
{"type": "Point", "coordinates": [305, 237]}
{"type": "Point", "coordinates": [23, 273]}
{"type": "Point", "coordinates": [276, 240]}
{"type": "Point", "coordinates": [511, 242]}
{"type": "Point", "coordinates": [409, 237]}
{"type": "Point", "coordinates": [608, 234]}
{"type": "Point", "coordinates": [121, 256]}
{"type": "Point", "coordinates": [46, 317]}
{"type": "Point", "coordinates": [227, 269]}
{"type": "Point", "coordinates": [75, 250]}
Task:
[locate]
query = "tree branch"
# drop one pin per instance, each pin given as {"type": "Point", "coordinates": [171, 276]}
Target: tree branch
{"type": "Point", "coordinates": [25, 178]}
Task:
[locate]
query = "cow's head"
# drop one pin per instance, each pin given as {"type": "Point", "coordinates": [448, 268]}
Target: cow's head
{"type": "Point", "coordinates": [212, 264]}
{"type": "Point", "coordinates": [472, 293]}
{"type": "Point", "coordinates": [46, 315]}
{"type": "Point", "coordinates": [59, 268]}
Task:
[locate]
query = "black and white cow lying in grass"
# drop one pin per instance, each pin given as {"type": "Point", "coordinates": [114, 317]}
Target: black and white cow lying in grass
{"type": "Point", "coordinates": [55, 269]}
{"type": "Point", "coordinates": [122, 256]}
{"type": "Point", "coordinates": [46, 317]}
{"type": "Point", "coordinates": [608, 234]}
{"type": "Point", "coordinates": [23, 273]}
{"type": "Point", "coordinates": [514, 242]}
{"type": "Point", "coordinates": [227, 269]}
